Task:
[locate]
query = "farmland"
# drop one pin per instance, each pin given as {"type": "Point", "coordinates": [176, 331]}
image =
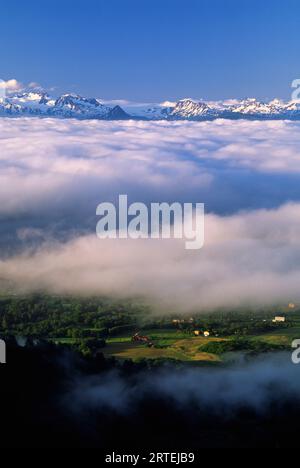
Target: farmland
{"type": "Point", "coordinates": [103, 325]}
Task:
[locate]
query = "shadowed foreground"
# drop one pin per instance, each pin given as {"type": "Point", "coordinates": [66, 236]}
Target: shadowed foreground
{"type": "Point", "coordinates": [54, 398]}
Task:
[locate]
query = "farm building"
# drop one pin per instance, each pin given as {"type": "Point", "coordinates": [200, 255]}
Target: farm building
{"type": "Point", "coordinates": [198, 333]}
{"type": "Point", "coordinates": [142, 339]}
{"type": "Point", "coordinates": [279, 319]}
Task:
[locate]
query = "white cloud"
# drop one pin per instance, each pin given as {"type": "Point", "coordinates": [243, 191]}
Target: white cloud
{"type": "Point", "coordinates": [11, 85]}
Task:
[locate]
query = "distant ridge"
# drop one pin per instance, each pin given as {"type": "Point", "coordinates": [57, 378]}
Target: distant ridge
{"type": "Point", "coordinates": [40, 104]}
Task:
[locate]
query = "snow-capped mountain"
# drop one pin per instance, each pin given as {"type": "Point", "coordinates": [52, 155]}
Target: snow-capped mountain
{"type": "Point", "coordinates": [189, 109]}
{"type": "Point", "coordinates": [65, 106]}
{"type": "Point", "coordinates": [248, 108]}
{"type": "Point", "coordinates": [38, 103]}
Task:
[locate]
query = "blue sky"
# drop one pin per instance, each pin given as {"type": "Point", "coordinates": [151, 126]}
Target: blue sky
{"type": "Point", "coordinates": [153, 50]}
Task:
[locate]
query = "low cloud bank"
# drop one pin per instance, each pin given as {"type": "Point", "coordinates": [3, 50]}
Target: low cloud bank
{"type": "Point", "coordinates": [248, 259]}
{"type": "Point", "coordinates": [256, 385]}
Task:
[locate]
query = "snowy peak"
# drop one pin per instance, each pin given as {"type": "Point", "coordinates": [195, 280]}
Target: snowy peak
{"type": "Point", "coordinates": [72, 105]}
{"type": "Point", "coordinates": [74, 101]}
{"type": "Point", "coordinates": [252, 106]}
{"type": "Point", "coordinates": [187, 108]}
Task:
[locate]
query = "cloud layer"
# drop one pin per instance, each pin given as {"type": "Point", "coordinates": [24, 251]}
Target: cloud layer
{"type": "Point", "coordinates": [248, 259]}
{"type": "Point", "coordinates": [62, 162]}
{"type": "Point", "coordinates": [55, 172]}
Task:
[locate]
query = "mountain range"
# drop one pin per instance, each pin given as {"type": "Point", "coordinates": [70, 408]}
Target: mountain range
{"type": "Point", "coordinates": [40, 104]}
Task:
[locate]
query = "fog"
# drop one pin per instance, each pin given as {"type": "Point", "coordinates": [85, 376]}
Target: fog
{"type": "Point", "coordinates": [256, 386]}
{"type": "Point", "coordinates": [55, 172]}
{"type": "Point", "coordinates": [248, 259]}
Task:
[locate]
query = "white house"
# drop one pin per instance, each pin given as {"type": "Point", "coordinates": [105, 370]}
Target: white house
{"type": "Point", "coordinates": [279, 319]}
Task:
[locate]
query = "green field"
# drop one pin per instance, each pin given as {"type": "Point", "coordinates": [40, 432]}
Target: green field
{"type": "Point", "coordinates": [166, 346]}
